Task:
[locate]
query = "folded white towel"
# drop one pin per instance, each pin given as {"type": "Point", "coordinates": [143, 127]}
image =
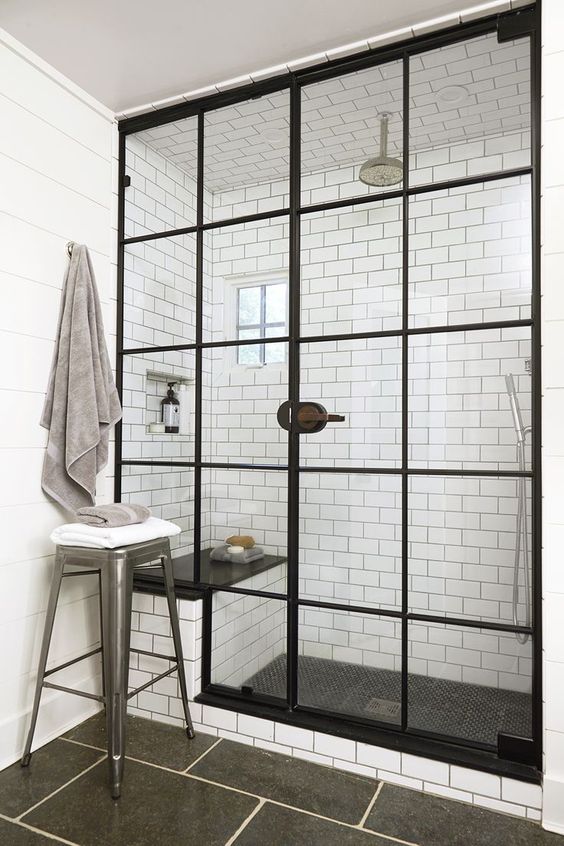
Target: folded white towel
{"type": "Point", "coordinates": [96, 537]}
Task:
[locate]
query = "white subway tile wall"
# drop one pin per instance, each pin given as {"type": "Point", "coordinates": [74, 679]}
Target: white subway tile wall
{"type": "Point", "coordinates": [242, 502]}
{"type": "Point", "coordinates": [247, 143]}
{"type": "Point", "coordinates": [248, 632]}
{"type": "Point", "coordinates": [470, 254]}
{"type": "Point", "coordinates": [169, 493]}
{"type": "Point", "coordinates": [160, 292]}
{"type": "Point", "coordinates": [462, 547]}
{"type": "Point", "coordinates": [350, 539]}
{"type": "Point", "coordinates": [145, 385]}
{"type": "Point", "coordinates": [351, 266]}
{"type": "Point", "coordinates": [161, 196]}
{"type": "Point", "coordinates": [460, 415]}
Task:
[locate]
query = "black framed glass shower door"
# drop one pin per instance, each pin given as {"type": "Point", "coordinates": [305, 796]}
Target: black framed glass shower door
{"type": "Point", "coordinates": [372, 452]}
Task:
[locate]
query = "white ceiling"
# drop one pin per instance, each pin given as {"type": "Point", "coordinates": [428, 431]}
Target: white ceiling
{"type": "Point", "coordinates": [248, 143]}
{"type": "Point", "coordinates": [127, 53]}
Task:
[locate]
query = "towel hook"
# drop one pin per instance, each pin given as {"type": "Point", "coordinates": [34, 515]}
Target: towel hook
{"type": "Point", "coordinates": [70, 245]}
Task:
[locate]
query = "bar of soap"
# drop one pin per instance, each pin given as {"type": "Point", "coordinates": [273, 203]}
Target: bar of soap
{"type": "Point", "coordinates": [235, 550]}
{"type": "Point", "coordinates": [246, 541]}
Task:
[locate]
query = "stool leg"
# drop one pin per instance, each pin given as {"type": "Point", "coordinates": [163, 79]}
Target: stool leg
{"type": "Point", "coordinates": [166, 561]}
{"type": "Point", "coordinates": [44, 654]}
{"type": "Point", "coordinates": [117, 590]}
{"type": "Point", "coordinates": [101, 616]}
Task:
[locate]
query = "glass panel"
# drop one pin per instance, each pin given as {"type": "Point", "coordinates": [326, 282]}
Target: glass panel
{"type": "Point", "coordinates": [159, 292]}
{"type": "Point", "coordinates": [470, 109]}
{"type": "Point", "coordinates": [470, 254]}
{"type": "Point", "coordinates": [343, 121]}
{"type": "Point", "coordinates": [360, 379]}
{"type": "Point", "coordinates": [460, 399]}
{"type": "Point", "coordinates": [485, 677]}
{"type": "Point", "coordinates": [169, 493]}
{"type": "Point", "coordinates": [350, 539]}
{"type": "Point", "coordinates": [250, 504]}
{"type": "Point", "coordinates": [249, 643]}
{"type": "Point", "coordinates": [249, 305]}
{"type": "Point", "coordinates": [275, 353]}
{"type": "Point", "coordinates": [350, 663]}
{"type": "Point", "coordinates": [246, 157]}
{"type": "Point", "coordinates": [241, 397]}
{"type": "Point", "coordinates": [161, 163]}
{"type": "Point", "coordinates": [276, 299]}
{"type": "Point", "coordinates": [145, 386]}
{"type": "Point", "coordinates": [243, 263]}
{"type": "Point", "coordinates": [465, 537]}
{"type": "Point", "coordinates": [250, 355]}
{"type": "Point", "coordinates": [351, 269]}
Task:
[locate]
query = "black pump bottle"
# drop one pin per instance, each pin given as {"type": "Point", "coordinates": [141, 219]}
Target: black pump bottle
{"type": "Point", "coordinates": [170, 410]}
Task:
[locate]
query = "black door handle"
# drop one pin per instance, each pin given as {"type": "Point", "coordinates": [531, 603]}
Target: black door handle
{"type": "Point", "coordinates": [305, 417]}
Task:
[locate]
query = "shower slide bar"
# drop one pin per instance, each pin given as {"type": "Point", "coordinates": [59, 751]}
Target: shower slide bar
{"type": "Point", "coordinates": [521, 527]}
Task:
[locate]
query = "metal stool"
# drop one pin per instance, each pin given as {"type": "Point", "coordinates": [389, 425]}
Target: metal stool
{"type": "Point", "coordinates": [114, 568]}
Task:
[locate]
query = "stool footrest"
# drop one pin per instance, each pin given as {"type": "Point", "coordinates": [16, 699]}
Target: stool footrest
{"type": "Point", "coordinates": [80, 573]}
{"type": "Point", "coordinates": [73, 690]}
{"type": "Point", "coordinates": [71, 662]}
{"type": "Point", "coordinates": [152, 681]}
{"type": "Point", "coordinates": [153, 654]}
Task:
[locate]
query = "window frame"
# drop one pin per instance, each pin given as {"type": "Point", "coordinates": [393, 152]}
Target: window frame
{"type": "Point", "coordinates": [233, 286]}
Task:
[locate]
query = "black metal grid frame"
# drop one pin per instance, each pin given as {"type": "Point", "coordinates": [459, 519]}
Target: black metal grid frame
{"type": "Point", "coordinates": [517, 24]}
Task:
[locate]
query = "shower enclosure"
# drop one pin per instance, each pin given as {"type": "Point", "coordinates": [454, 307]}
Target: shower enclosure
{"type": "Point", "coordinates": [355, 354]}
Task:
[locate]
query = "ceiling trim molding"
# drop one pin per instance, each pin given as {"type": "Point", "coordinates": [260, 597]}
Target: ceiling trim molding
{"type": "Point", "coordinates": [48, 70]}
{"type": "Point", "coordinates": [466, 15]}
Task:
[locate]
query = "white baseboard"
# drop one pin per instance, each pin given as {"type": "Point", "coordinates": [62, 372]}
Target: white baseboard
{"type": "Point", "coordinates": [59, 712]}
{"type": "Point", "coordinates": [553, 805]}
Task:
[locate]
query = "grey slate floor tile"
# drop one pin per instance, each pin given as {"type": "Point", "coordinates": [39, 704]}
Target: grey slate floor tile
{"type": "Point", "coordinates": [12, 834]}
{"type": "Point", "coordinates": [277, 826]}
{"type": "Point", "coordinates": [322, 790]}
{"type": "Point", "coordinates": [156, 808]}
{"type": "Point", "coordinates": [51, 767]}
{"type": "Point", "coordinates": [148, 740]}
{"type": "Point", "coordinates": [434, 821]}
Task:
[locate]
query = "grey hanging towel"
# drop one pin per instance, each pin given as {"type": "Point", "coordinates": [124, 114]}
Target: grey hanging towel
{"type": "Point", "coordinates": [82, 402]}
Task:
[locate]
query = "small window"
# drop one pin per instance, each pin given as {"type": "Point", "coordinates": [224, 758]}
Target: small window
{"type": "Point", "coordinates": [261, 313]}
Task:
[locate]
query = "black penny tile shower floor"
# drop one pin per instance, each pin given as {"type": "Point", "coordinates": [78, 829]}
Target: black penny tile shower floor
{"type": "Point", "coordinates": [474, 712]}
{"type": "Point", "coordinates": [213, 792]}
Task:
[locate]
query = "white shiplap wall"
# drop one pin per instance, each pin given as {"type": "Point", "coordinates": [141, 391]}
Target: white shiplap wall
{"type": "Point", "coordinates": [56, 154]}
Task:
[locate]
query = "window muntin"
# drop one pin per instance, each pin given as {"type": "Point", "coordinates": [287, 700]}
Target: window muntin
{"type": "Point", "coordinates": [259, 309]}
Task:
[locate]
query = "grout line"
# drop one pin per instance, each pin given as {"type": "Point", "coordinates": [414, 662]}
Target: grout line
{"type": "Point", "coordinates": [203, 755]}
{"type": "Point", "coordinates": [80, 743]}
{"type": "Point", "coordinates": [245, 823]}
{"type": "Point", "coordinates": [58, 790]}
{"type": "Point", "coordinates": [187, 774]}
{"type": "Point", "coordinates": [39, 831]}
{"type": "Point", "coordinates": [371, 804]}
{"type": "Point", "coordinates": [301, 810]}
{"type": "Point", "coordinates": [142, 760]}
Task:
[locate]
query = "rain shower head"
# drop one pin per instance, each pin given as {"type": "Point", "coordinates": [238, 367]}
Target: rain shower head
{"type": "Point", "coordinates": [382, 170]}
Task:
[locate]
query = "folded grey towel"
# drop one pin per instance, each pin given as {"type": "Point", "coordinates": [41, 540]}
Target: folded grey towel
{"type": "Point", "coordinates": [112, 516]}
{"type": "Point", "coordinates": [219, 553]}
{"type": "Point", "coordinates": [82, 402]}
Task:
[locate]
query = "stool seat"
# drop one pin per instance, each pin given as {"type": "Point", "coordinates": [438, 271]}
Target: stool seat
{"type": "Point", "coordinates": [115, 568]}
